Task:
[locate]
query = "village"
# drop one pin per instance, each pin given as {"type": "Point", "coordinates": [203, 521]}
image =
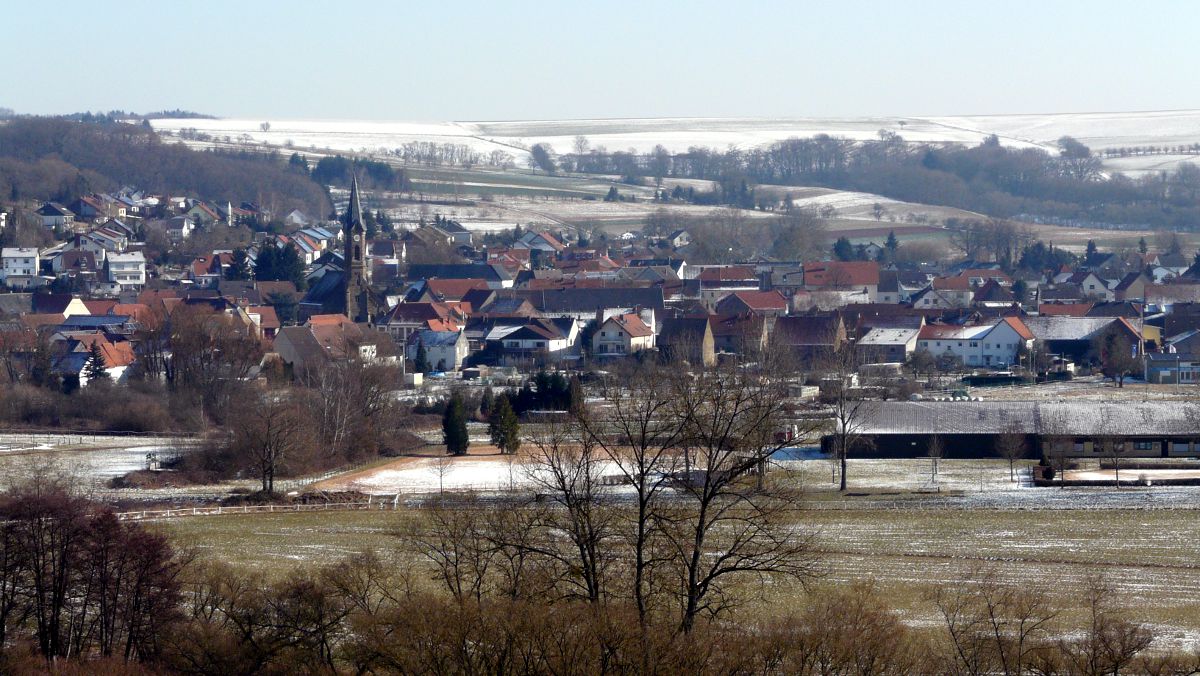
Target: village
{"type": "Point", "coordinates": [919, 348]}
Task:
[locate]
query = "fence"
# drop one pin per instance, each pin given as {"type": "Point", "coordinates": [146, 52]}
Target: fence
{"type": "Point", "coordinates": [156, 514]}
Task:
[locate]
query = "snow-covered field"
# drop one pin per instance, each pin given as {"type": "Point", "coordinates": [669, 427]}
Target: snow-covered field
{"type": "Point", "coordinates": [1097, 130]}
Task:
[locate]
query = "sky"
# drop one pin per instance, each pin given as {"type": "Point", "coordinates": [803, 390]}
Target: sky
{"type": "Point", "coordinates": [493, 60]}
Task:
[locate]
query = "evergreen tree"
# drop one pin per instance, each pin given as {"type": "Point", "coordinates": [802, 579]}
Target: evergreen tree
{"type": "Point", "coordinates": [843, 250]}
{"type": "Point", "coordinates": [1142, 247]}
{"type": "Point", "coordinates": [267, 263]}
{"type": "Point", "coordinates": [504, 427]}
{"type": "Point", "coordinates": [290, 267]}
{"type": "Point", "coordinates": [575, 396]}
{"type": "Point", "coordinates": [1091, 248]}
{"type": "Point", "coordinates": [421, 362]}
{"type": "Point", "coordinates": [96, 369]}
{"type": "Point", "coordinates": [454, 427]}
{"type": "Point", "coordinates": [892, 244]}
{"type": "Point", "coordinates": [239, 267]}
{"type": "Point", "coordinates": [485, 404]}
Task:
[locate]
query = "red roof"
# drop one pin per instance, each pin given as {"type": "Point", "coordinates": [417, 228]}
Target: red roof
{"type": "Point", "coordinates": [841, 273]}
{"type": "Point", "coordinates": [453, 289]}
{"type": "Point", "coordinates": [761, 300]}
{"type": "Point", "coordinates": [1019, 326]}
{"type": "Point", "coordinates": [727, 273]}
{"type": "Point", "coordinates": [115, 354]}
{"type": "Point", "coordinates": [1065, 309]}
{"type": "Point", "coordinates": [99, 307]}
{"type": "Point", "coordinates": [632, 324]}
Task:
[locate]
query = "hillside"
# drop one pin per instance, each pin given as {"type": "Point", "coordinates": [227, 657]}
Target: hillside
{"type": "Point", "coordinates": [1100, 131]}
{"type": "Point", "coordinates": [60, 159]}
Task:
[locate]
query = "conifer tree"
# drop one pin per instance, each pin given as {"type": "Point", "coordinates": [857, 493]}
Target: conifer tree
{"type": "Point", "coordinates": [421, 362]}
{"type": "Point", "coordinates": [504, 427]}
{"type": "Point", "coordinates": [95, 369]}
{"type": "Point", "coordinates": [454, 427]}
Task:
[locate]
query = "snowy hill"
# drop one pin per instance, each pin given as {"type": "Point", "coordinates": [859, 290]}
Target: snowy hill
{"type": "Point", "coordinates": [1098, 130]}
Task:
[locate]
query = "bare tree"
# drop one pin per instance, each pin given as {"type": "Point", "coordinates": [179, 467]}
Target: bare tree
{"type": "Point", "coordinates": [849, 410]}
{"type": "Point", "coordinates": [566, 463]}
{"type": "Point", "coordinates": [993, 627]}
{"type": "Point", "coordinates": [934, 450]}
{"type": "Point", "coordinates": [269, 435]}
{"type": "Point", "coordinates": [635, 427]}
{"type": "Point", "coordinates": [727, 524]}
{"type": "Point", "coordinates": [1010, 445]}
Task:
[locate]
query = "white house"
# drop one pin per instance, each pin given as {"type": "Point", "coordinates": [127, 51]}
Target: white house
{"type": "Point", "coordinates": [995, 344]}
{"type": "Point", "coordinates": [127, 269]}
{"type": "Point", "coordinates": [621, 335]}
{"type": "Point", "coordinates": [18, 262]}
{"type": "Point", "coordinates": [445, 350]}
{"type": "Point", "coordinates": [54, 215]}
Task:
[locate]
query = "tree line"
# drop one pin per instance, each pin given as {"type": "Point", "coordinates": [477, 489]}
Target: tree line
{"type": "Point", "coordinates": [48, 158]}
{"type": "Point", "coordinates": [989, 178]}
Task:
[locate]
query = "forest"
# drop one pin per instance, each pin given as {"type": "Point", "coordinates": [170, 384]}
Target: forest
{"type": "Point", "coordinates": [47, 158]}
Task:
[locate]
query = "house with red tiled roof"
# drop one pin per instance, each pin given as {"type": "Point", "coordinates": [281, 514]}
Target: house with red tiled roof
{"type": "Point", "coordinates": [765, 303]}
{"type": "Point", "coordinates": [857, 276]}
{"type": "Point", "coordinates": [621, 335]}
{"type": "Point", "coordinates": [997, 343]}
{"type": "Point", "coordinates": [406, 318]}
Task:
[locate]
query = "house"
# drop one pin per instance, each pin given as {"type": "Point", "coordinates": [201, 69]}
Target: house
{"type": "Point", "coordinates": [539, 241]}
{"type": "Point", "coordinates": [495, 275]}
{"type": "Point", "coordinates": [55, 215]}
{"type": "Point", "coordinates": [810, 337]}
{"type": "Point", "coordinates": [18, 262]}
{"type": "Point", "coordinates": [1131, 287]}
{"type": "Point", "coordinates": [843, 276]}
{"type": "Point", "coordinates": [679, 239]}
{"type": "Point", "coordinates": [622, 335]}
{"type": "Point", "coordinates": [1073, 337]}
{"type": "Point", "coordinates": [999, 343]}
{"type": "Point", "coordinates": [458, 234]}
{"type": "Point", "coordinates": [739, 334]}
{"type": "Point", "coordinates": [407, 318]}
{"type": "Point", "coordinates": [325, 338]}
{"type": "Point", "coordinates": [765, 303]}
{"type": "Point", "coordinates": [946, 293]}
{"type": "Point", "coordinates": [128, 270]}
{"type": "Point", "coordinates": [688, 339]}
{"type": "Point", "coordinates": [888, 345]}
{"type": "Point", "coordinates": [438, 290]}
{"type": "Point", "coordinates": [203, 214]}
{"type": "Point", "coordinates": [445, 350]}
{"type": "Point", "coordinates": [532, 338]}
{"type": "Point", "coordinates": [76, 354]}
{"type": "Point", "coordinates": [180, 228]}
{"type": "Point", "coordinates": [1173, 368]}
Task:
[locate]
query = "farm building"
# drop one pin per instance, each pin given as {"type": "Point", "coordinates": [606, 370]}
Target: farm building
{"type": "Point", "coordinates": [973, 429]}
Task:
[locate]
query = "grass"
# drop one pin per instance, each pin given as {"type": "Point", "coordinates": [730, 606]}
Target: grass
{"type": "Point", "coordinates": [1151, 557]}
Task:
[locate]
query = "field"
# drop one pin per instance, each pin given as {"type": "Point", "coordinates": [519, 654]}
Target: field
{"type": "Point", "coordinates": [1097, 130]}
{"type": "Point", "coordinates": [1150, 556]}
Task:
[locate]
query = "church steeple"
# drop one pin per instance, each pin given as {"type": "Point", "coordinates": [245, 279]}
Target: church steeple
{"type": "Point", "coordinates": [358, 295]}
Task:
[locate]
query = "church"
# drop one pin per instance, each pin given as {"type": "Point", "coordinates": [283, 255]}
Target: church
{"type": "Point", "coordinates": [348, 293]}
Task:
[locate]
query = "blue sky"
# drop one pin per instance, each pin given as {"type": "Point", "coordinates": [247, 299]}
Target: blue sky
{"type": "Point", "coordinates": [466, 60]}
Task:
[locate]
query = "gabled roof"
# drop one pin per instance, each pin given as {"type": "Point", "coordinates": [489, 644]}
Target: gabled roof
{"type": "Point", "coordinates": [1064, 309]}
{"type": "Point", "coordinates": [632, 324]}
{"type": "Point", "coordinates": [887, 336]}
{"type": "Point", "coordinates": [1067, 328]}
{"type": "Point", "coordinates": [760, 300]}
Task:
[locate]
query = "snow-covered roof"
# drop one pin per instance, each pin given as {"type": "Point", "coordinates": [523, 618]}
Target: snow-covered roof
{"type": "Point", "coordinates": [889, 336]}
{"type": "Point", "coordinates": [1070, 418]}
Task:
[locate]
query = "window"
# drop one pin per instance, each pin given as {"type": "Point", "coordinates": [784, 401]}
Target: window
{"type": "Point", "coordinates": [974, 344]}
{"type": "Point", "coordinates": [603, 334]}
{"type": "Point", "coordinates": [1143, 445]}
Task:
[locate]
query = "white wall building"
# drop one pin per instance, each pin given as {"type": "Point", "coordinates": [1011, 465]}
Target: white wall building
{"type": "Point", "coordinates": [127, 269]}
{"type": "Point", "coordinates": [19, 262]}
{"type": "Point", "coordinates": [997, 344]}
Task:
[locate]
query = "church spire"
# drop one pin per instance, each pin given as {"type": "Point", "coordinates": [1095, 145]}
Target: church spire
{"type": "Point", "coordinates": [354, 208]}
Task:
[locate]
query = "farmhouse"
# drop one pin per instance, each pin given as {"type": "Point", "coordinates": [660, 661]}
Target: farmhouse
{"type": "Point", "coordinates": [996, 344]}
